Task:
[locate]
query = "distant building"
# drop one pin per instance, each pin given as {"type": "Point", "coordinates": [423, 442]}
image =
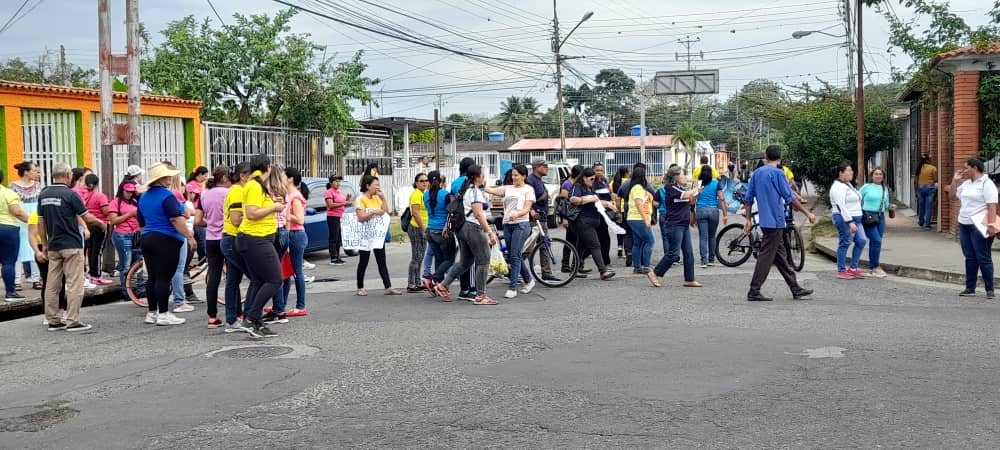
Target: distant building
{"type": "Point", "coordinates": [613, 152]}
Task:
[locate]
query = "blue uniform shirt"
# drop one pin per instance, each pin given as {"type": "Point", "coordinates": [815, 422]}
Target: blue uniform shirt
{"type": "Point", "coordinates": [769, 186]}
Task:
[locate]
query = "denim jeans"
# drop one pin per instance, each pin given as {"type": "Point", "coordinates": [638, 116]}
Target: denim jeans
{"type": "Point", "coordinates": [127, 254]}
{"type": "Point", "coordinates": [516, 234]}
{"type": "Point", "coordinates": [678, 241]}
{"type": "Point", "coordinates": [428, 260]}
{"type": "Point", "coordinates": [978, 257]}
{"type": "Point", "coordinates": [846, 237]}
{"type": "Point", "coordinates": [642, 244]}
{"type": "Point", "coordinates": [10, 245]}
{"type": "Point", "coordinates": [234, 276]}
{"type": "Point", "coordinates": [444, 253]}
{"type": "Point", "coordinates": [874, 234]}
{"type": "Point", "coordinates": [926, 194]}
{"type": "Point", "coordinates": [281, 247]}
{"type": "Point", "coordinates": [297, 241]}
{"type": "Point", "coordinates": [177, 282]}
{"type": "Point", "coordinates": [708, 225]}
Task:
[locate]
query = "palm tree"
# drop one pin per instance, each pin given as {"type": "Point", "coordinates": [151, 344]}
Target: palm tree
{"type": "Point", "coordinates": [518, 116]}
{"type": "Point", "coordinates": [686, 138]}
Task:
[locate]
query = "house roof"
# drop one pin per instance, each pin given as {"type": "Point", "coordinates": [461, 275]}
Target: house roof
{"type": "Point", "coordinates": [396, 124]}
{"type": "Point", "coordinates": [591, 143]}
{"type": "Point", "coordinates": [993, 48]}
{"type": "Point", "coordinates": [86, 92]}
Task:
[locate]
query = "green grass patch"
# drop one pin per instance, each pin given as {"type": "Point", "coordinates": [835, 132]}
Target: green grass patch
{"type": "Point", "coordinates": [824, 228]}
{"type": "Point", "coordinates": [398, 235]}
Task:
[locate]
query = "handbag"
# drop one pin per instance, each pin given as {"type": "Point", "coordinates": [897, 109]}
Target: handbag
{"type": "Point", "coordinates": [566, 209]}
{"type": "Point", "coordinates": [404, 220]}
{"type": "Point", "coordinates": [872, 219]}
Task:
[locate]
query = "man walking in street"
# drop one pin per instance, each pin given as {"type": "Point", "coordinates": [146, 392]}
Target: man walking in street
{"type": "Point", "coordinates": [59, 211]}
{"type": "Point", "coordinates": [769, 186]}
{"type": "Point", "coordinates": [540, 209]}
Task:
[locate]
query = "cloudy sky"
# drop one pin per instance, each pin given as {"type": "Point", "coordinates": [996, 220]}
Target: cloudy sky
{"type": "Point", "coordinates": [744, 39]}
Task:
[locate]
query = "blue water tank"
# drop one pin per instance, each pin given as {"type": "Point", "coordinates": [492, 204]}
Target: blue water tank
{"type": "Point", "coordinates": [495, 136]}
{"type": "Point", "coordinates": [636, 130]}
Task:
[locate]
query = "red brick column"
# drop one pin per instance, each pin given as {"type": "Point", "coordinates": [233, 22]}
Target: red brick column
{"type": "Point", "coordinates": [966, 129]}
{"type": "Point", "coordinates": [925, 125]}
{"type": "Point", "coordinates": [946, 167]}
{"type": "Point", "coordinates": [932, 132]}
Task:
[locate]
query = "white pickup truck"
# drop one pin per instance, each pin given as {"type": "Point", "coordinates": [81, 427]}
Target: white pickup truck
{"type": "Point", "coordinates": [557, 173]}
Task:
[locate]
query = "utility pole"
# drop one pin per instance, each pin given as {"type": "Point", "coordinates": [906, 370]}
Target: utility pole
{"type": "Point", "coordinates": [134, 85]}
{"type": "Point", "coordinates": [861, 98]}
{"type": "Point", "coordinates": [848, 27]}
{"type": "Point", "coordinates": [559, 92]}
{"type": "Point", "coordinates": [689, 57]}
{"type": "Point", "coordinates": [63, 73]}
{"type": "Point", "coordinates": [642, 119]}
{"type": "Point", "coordinates": [113, 134]}
{"type": "Point", "coordinates": [437, 142]}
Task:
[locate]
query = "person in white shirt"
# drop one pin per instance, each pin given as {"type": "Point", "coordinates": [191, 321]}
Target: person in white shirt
{"type": "Point", "coordinates": [845, 200]}
{"type": "Point", "coordinates": [978, 198]}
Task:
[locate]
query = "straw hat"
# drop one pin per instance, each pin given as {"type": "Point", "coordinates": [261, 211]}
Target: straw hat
{"type": "Point", "coordinates": [159, 171]}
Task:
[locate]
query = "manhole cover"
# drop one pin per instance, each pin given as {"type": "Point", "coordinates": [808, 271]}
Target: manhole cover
{"type": "Point", "coordinates": [255, 352]}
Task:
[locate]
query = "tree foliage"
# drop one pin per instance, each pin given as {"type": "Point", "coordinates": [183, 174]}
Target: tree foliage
{"type": "Point", "coordinates": [518, 116]}
{"type": "Point", "coordinates": [48, 69]}
{"type": "Point", "coordinates": [255, 71]}
{"type": "Point", "coordinates": [687, 136]}
{"type": "Point", "coordinates": [613, 100]}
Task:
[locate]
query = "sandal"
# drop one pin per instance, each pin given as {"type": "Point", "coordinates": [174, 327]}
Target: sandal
{"type": "Point", "coordinates": [361, 293]}
{"type": "Point", "coordinates": [392, 291]}
{"type": "Point", "coordinates": [37, 285]}
{"type": "Point", "coordinates": [484, 300]}
{"type": "Point", "coordinates": [443, 292]}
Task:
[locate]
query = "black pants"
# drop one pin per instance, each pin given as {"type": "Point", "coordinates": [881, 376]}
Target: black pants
{"type": "Point", "coordinates": [772, 253]}
{"type": "Point", "coordinates": [383, 269]}
{"type": "Point", "coordinates": [585, 229]}
{"type": "Point", "coordinates": [162, 253]}
{"type": "Point", "coordinates": [43, 267]}
{"type": "Point", "coordinates": [572, 239]}
{"type": "Point", "coordinates": [603, 235]}
{"type": "Point", "coordinates": [213, 252]}
{"type": "Point", "coordinates": [95, 247]}
{"type": "Point", "coordinates": [264, 269]}
{"type": "Point", "coordinates": [333, 225]}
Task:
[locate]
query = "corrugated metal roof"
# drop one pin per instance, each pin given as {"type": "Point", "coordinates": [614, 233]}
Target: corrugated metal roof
{"type": "Point", "coordinates": [591, 143]}
{"type": "Point", "coordinates": [992, 49]}
{"type": "Point", "coordinates": [85, 92]}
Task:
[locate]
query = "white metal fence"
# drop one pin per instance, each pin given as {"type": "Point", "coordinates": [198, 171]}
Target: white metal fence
{"type": "Point", "coordinates": [657, 160]}
{"type": "Point", "coordinates": [231, 144]}
{"type": "Point", "coordinates": [49, 137]}
{"type": "Point", "coordinates": [162, 140]}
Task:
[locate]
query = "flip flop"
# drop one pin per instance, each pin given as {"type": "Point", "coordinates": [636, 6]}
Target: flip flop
{"type": "Point", "coordinates": [361, 293]}
{"type": "Point", "coordinates": [392, 291]}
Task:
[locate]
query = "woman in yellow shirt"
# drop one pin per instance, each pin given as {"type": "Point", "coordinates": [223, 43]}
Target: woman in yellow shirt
{"type": "Point", "coordinates": [370, 204]}
{"type": "Point", "coordinates": [10, 237]}
{"type": "Point", "coordinates": [232, 217]}
{"type": "Point", "coordinates": [255, 243]}
{"type": "Point", "coordinates": [416, 232]}
{"type": "Point", "coordinates": [640, 220]}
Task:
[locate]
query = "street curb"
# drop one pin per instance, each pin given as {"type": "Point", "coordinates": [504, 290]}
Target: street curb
{"type": "Point", "coordinates": [918, 273]}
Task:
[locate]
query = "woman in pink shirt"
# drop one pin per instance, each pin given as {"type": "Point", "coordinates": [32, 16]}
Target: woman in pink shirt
{"type": "Point", "coordinates": [335, 203]}
{"type": "Point", "coordinates": [123, 215]}
{"type": "Point", "coordinates": [297, 239]}
{"type": "Point", "coordinates": [193, 190]}
{"type": "Point", "coordinates": [97, 204]}
{"type": "Point", "coordinates": [209, 217]}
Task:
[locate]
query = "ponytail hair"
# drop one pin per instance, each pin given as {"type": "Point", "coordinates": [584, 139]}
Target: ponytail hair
{"type": "Point", "coordinates": [474, 171]}
{"type": "Point", "coordinates": [220, 174]}
{"type": "Point", "coordinates": [434, 177]}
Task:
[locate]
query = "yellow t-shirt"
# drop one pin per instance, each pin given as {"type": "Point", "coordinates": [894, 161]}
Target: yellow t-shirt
{"type": "Point", "coordinates": [366, 202]}
{"type": "Point", "coordinates": [253, 195]}
{"type": "Point", "coordinates": [928, 175]}
{"type": "Point", "coordinates": [233, 202]}
{"type": "Point", "coordinates": [33, 220]}
{"type": "Point", "coordinates": [417, 198]}
{"type": "Point", "coordinates": [697, 171]}
{"type": "Point", "coordinates": [788, 174]}
{"type": "Point", "coordinates": [7, 198]}
{"type": "Point", "coordinates": [639, 192]}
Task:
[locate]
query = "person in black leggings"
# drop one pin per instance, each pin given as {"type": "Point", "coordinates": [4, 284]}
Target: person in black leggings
{"type": "Point", "coordinates": [585, 226]}
{"type": "Point", "coordinates": [164, 230]}
{"type": "Point", "coordinates": [371, 203]}
{"type": "Point", "coordinates": [255, 244]}
{"type": "Point", "coordinates": [209, 216]}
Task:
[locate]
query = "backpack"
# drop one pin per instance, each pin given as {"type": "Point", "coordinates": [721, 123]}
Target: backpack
{"type": "Point", "coordinates": [404, 220]}
{"type": "Point", "coordinates": [456, 215]}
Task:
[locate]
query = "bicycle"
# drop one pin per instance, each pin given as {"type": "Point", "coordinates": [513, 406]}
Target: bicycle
{"type": "Point", "coordinates": [135, 280]}
{"type": "Point", "coordinates": [735, 246]}
{"type": "Point", "coordinates": [539, 245]}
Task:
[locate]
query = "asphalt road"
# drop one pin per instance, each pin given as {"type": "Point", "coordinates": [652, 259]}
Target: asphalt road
{"type": "Point", "coordinates": [865, 363]}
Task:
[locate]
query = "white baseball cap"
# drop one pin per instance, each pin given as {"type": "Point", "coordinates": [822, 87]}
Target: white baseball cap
{"type": "Point", "coordinates": [134, 170]}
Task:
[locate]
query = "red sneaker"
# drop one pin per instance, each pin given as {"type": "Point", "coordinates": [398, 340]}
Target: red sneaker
{"type": "Point", "coordinates": [214, 322]}
{"type": "Point", "coordinates": [856, 273]}
{"type": "Point", "coordinates": [297, 313]}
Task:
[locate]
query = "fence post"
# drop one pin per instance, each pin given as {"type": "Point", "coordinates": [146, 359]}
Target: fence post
{"type": "Point", "coordinates": [314, 156]}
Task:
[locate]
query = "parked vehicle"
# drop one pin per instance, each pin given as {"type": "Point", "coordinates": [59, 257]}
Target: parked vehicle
{"type": "Point", "coordinates": [557, 173]}
{"type": "Point", "coordinates": [316, 228]}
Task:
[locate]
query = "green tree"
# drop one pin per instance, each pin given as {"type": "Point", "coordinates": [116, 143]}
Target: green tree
{"type": "Point", "coordinates": [613, 100]}
{"type": "Point", "coordinates": [518, 116]}
{"type": "Point", "coordinates": [48, 70]}
{"type": "Point", "coordinates": [686, 137]}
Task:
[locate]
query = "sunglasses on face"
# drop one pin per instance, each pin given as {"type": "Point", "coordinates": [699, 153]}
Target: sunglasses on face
{"type": "Point", "coordinates": [422, 181]}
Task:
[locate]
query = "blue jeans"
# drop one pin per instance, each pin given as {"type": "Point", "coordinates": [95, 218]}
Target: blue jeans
{"type": "Point", "coordinates": [177, 282]}
{"type": "Point", "coordinates": [926, 194]}
{"type": "Point", "coordinates": [10, 245]}
{"type": "Point", "coordinates": [642, 244]}
{"type": "Point", "coordinates": [126, 254]}
{"type": "Point", "coordinates": [428, 261]}
{"type": "Point", "coordinates": [234, 276]}
{"type": "Point", "coordinates": [846, 237]}
{"type": "Point", "coordinates": [444, 253]}
{"type": "Point", "coordinates": [297, 241]}
{"type": "Point", "coordinates": [978, 257]}
{"type": "Point", "coordinates": [278, 300]}
{"type": "Point", "coordinates": [678, 240]}
{"type": "Point", "coordinates": [664, 234]}
{"type": "Point", "coordinates": [708, 225]}
{"type": "Point", "coordinates": [516, 235]}
{"type": "Point", "coordinates": [874, 234]}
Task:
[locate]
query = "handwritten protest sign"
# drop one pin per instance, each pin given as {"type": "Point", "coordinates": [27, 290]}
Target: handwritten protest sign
{"type": "Point", "coordinates": [363, 235]}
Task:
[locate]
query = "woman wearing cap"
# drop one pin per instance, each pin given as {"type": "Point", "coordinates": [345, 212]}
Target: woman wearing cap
{"type": "Point", "coordinates": [134, 174]}
{"type": "Point", "coordinates": [255, 244]}
{"type": "Point", "coordinates": [208, 215]}
{"type": "Point", "coordinates": [164, 229]}
{"type": "Point", "coordinates": [123, 214]}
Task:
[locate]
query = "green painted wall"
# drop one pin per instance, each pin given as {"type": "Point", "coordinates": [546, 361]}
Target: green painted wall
{"type": "Point", "coordinates": [79, 140]}
{"type": "Point", "coordinates": [189, 145]}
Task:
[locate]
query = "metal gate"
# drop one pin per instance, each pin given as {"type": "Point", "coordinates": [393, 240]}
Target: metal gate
{"type": "Point", "coordinates": [162, 140]}
{"type": "Point", "coordinates": [49, 137]}
{"type": "Point", "coordinates": [231, 144]}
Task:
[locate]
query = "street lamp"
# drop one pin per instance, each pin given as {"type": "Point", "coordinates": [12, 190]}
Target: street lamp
{"type": "Point", "coordinates": [802, 33]}
{"type": "Point", "coordinates": [556, 47]}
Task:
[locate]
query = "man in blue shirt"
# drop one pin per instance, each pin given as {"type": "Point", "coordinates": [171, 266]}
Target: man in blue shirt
{"type": "Point", "coordinates": [769, 186]}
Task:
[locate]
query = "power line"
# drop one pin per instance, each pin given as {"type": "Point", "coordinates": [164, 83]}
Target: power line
{"type": "Point", "coordinates": [14, 16]}
{"type": "Point", "coordinates": [216, 12]}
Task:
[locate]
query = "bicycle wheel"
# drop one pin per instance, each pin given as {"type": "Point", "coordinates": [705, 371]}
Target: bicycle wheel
{"type": "Point", "coordinates": [795, 248]}
{"type": "Point", "coordinates": [734, 246]}
{"type": "Point", "coordinates": [553, 252]}
{"type": "Point", "coordinates": [135, 283]}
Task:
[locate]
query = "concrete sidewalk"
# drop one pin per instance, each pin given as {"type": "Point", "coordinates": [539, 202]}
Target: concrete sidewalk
{"type": "Point", "coordinates": [908, 251]}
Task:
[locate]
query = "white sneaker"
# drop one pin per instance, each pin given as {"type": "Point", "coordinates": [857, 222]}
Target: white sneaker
{"type": "Point", "coordinates": [184, 307]}
{"type": "Point", "coordinates": [168, 319]}
{"type": "Point", "coordinates": [510, 293]}
{"type": "Point", "coordinates": [309, 279]}
{"type": "Point", "coordinates": [235, 327]}
{"type": "Point", "coordinates": [308, 265]}
{"type": "Point", "coordinates": [528, 287]}
{"type": "Point", "coordinates": [87, 284]}
{"type": "Point", "coordinates": [150, 318]}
